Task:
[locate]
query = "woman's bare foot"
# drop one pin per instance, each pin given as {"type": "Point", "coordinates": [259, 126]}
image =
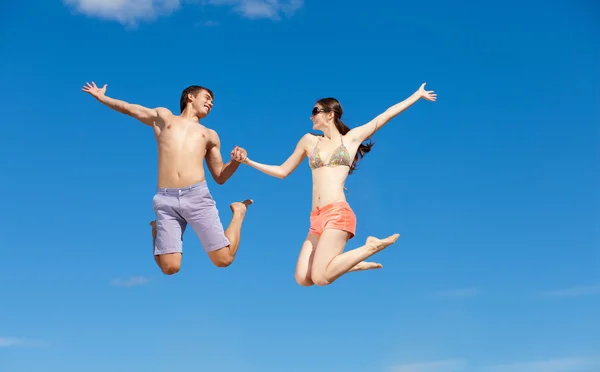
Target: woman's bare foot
{"type": "Point", "coordinates": [376, 245]}
{"type": "Point", "coordinates": [240, 207]}
{"type": "Point", "coordinates": [366, 266]}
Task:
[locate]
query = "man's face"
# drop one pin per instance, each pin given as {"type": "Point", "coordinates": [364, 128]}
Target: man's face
{"type": "Point", "coordinates": [202, 103]}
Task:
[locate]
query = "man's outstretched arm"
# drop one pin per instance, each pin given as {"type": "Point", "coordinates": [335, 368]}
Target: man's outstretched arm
{"type": "Point", "coordinates": [220, 172]}
{"type": "Point", "coordinates": [144, 114]}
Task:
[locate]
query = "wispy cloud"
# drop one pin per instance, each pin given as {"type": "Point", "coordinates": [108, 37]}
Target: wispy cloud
{"type": "Point", "coordinates": [209, 23]}
{"type": "Point", "coordinates": [448, 365]}
{"type": "Point", "coordinates": [132, 12]}
{"type": "Point", "coordinates": [574, 364]}
{"type": "Point", "coordinates": [131, 282]}
{"type": "Point", "coordinates": [254, 9]}
{"type": "Point", "coordinates": [10, 341]}
{"type": "Point", "coordinates": [551, 365]}
{"type": "Point", "coordinates": [19, 342]}
{"type": "Point", "coordinates": [457, 293]}
{"type": "Point", "coordinates": [571, 292]}
{"type": "Point", "coordinates": [126, 12]}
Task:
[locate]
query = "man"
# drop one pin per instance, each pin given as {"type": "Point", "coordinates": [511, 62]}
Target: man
{"type": "Point", "coordinates": [182, 195]}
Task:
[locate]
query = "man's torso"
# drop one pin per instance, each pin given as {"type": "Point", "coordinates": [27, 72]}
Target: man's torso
{"type": "Point", "coordinates": [182, 146]}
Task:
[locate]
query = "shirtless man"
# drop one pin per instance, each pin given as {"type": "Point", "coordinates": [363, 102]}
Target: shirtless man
{"type": "Point", "coordinates": [182, 195]}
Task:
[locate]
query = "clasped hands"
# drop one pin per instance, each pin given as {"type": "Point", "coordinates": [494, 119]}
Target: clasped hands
{"type": "Point", "coordinates": [239, 154]}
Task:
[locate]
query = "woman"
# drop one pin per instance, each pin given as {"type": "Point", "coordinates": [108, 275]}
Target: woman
{"type": "Point", "coordinates": [332, 157]}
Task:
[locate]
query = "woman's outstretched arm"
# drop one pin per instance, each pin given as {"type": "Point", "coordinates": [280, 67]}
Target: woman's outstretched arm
{"type": "Point", "coordinates": [285, 169]}
{"type": "Point", "coordinates": [365, 131]}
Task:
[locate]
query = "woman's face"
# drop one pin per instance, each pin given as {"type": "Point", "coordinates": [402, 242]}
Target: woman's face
{"type": "Point", "coordinates": [319, 117]}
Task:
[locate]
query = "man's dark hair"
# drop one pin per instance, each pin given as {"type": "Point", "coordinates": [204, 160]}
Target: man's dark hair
{"type": "Point", "coordinates": [193, 89]}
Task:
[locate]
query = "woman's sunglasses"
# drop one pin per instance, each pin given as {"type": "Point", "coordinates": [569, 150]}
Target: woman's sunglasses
{"type": "Point", "coordinates": [316, 110]}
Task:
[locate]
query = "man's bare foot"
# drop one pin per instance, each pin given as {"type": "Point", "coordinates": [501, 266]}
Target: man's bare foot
{"type": "Point", "coordinates": [153, 224]}
{"type": "Point", "coordinates": [376, 245]}
{"type": "Point", "coordinates": [240, 207]}
{"type": "Point", "coordinates": [366, 266]}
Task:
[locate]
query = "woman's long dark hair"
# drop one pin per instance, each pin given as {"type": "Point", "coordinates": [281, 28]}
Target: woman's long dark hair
{"type": "Point", "coordinates": [332, 104]}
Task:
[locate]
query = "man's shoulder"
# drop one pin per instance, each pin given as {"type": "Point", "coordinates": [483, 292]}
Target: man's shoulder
{"type": "Point", "coordinates": [163, 112]}
{"type": "Point", "coordinates": [212, 133]}
{"type": "Point", "coordinates": [213, 137]}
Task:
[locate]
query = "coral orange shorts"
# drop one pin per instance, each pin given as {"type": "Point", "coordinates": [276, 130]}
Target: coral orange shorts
{"type": "Point", "coordinates": [337, 215]}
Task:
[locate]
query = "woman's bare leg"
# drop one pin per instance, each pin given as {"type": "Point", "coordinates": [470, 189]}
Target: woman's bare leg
{"type": "Point", "coordinates": [305, 259]}
{"type": "Point", "coordinates": [304, 264]}
{"type": "Point", "coordinates": [362, 266]}
{"type": "Point", "coordinates": [329, 263]}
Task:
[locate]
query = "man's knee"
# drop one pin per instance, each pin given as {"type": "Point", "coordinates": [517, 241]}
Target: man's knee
{"type": "Point", "coordinates": [169, 263]}
{"type": "Point", "coordinates": [223, 261]}
{"type": "Point", "coordinates": [170, 268]}
{"type": "Point", "coordinates": [221, 257]}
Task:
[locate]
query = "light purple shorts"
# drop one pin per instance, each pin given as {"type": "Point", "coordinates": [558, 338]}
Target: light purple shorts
{"type": "Point", "coordinates": [177, 207]}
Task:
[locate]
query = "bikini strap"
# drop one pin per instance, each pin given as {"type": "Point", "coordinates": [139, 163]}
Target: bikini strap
{"type": "Point", "coordinates": [316, 144]}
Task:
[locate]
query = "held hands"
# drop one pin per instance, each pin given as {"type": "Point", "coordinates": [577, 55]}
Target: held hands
{"type": "Point", "coordinates": [239, 154]}
{"type": "Point", "coordinates": [427, 94]}
{"type": "Point", "coordinates": [94, 90]}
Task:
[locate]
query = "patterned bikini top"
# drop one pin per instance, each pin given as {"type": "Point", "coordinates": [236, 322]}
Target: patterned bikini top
{"type": "Point", "coordinates": [339, 157]}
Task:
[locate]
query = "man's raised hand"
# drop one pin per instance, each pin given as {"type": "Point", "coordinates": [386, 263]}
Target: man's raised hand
{"type": "Point", "coordinates": [94, 90]}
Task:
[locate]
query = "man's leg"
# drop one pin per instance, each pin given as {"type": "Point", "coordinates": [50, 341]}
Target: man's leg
{"type": "Point", "coordinates": [167, 233]}
{"type": "Point", "coordinates": [233, 233]}
{"type": "Point", "coordinates": [169, 263]}
{"type": "Point", "coordinates": [200, 211]}
{"type": "Point", "coordinates": [222, 255]}
{"type": "Point", "coordinates": [153, 224]}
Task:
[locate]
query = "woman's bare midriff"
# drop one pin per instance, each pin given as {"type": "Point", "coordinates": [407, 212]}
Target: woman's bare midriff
{"type": "Point", "coordinates": [328, 185]}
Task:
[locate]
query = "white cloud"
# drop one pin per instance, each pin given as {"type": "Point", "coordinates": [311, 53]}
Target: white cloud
{"type": "Point", "coordinates": [449, 365]}
{"type": "Point", "coordinates": [9, 341]}
{"type": "Point", "coordinates": [571, 292]}
{"type": "Point", "coordinates": [131, 282]}
{"type": "Point", "coordinates": [551, 365]}
{"type": "Point", "coordinates": [575, 364]}
{"type": "Point", "coordinates": [127, 12]}
{"type": "Point", "coordinates": [18, 342]}
{"type": "Point", "coordinates": [456, 293]}
{"type": "Point", "coordinates": [131, 12]}
{"type": "Point", "coordinates": [254, 9]}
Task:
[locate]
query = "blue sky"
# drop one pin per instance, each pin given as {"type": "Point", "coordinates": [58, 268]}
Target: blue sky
{"type": "Point", "coordinates": [494, 188]}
